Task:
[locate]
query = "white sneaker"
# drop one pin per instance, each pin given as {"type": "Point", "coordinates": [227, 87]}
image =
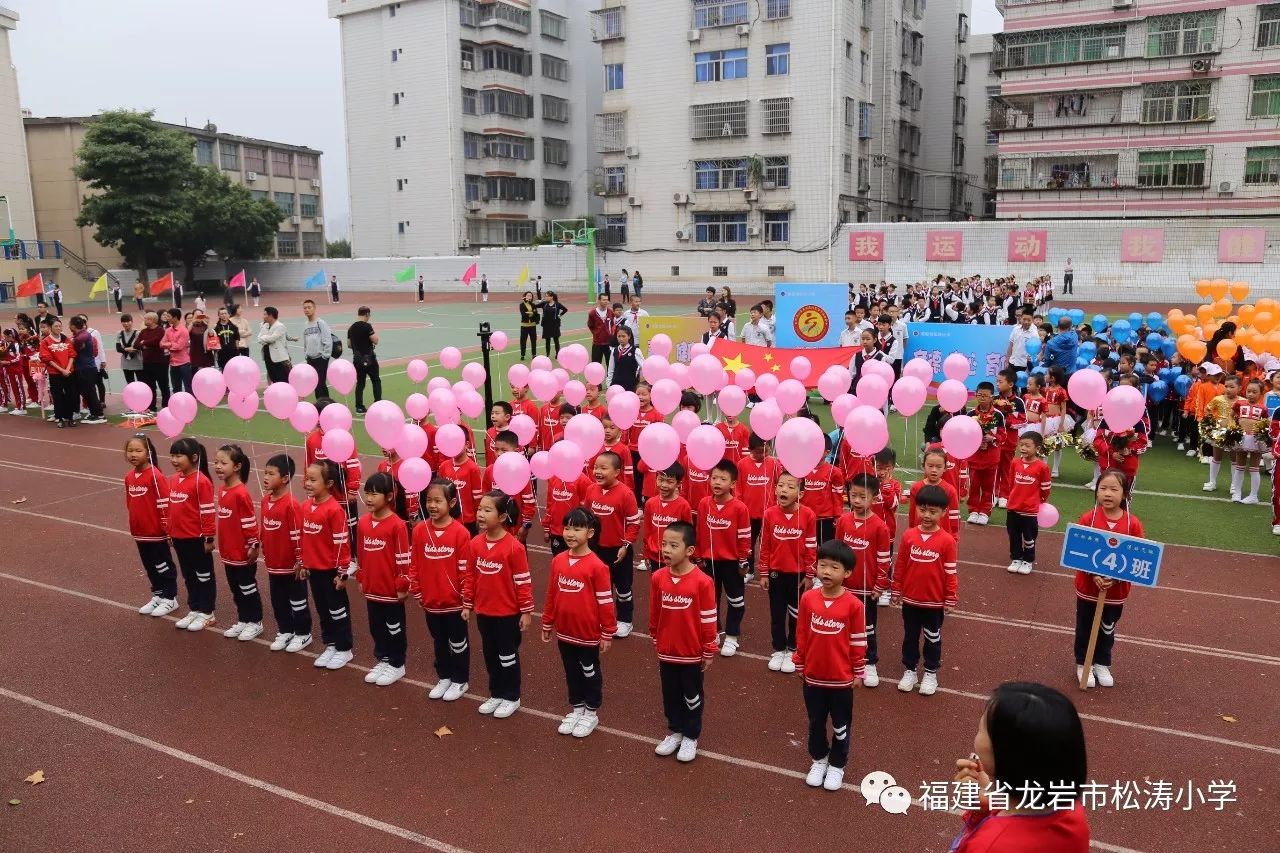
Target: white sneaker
{"type": "Point", "coordinates": [1192, 453]}
{"type": "Point", "coordinates": [251, 632]}
{"type": "Point", "coordinates": [1205, 460]}
{"type": "Point", "coordinates": [817, 772]}
{"type": "Point", "coordinates": [775, 661]}
{"type": "Point", "coordinates": [688, 750]}
{"type": "Point", "coordinates": [506, 708]}
{"type": "Point", "coordinates": [202, 621]}
{"type": "Point", "coordinates": [22, 413]}
{"type": "Point", "coordinates": [441, 687]}
{"type": "Point", "coordinates": [390, 675]}
{"type": "Point", "coordinates": [624, 630]}
{"type": "Point", "coordinates": [33, 405]}
{"type": "Point", "coordinates": [929, 684]}
{"type": "Point", "coordinates": [1249, 500]}
{"type": "Point", "coordinates": [1209, 487]}
{"type": "Point", "coordinates": [1181, 446]}
{"type": "Point", "coordinates": [165, 607]}
{"type": "Point", "coordinates": [1024, 568]}
{"type": "Point", "coordinates": [884, 600]}
{"type": "Point", "coordinates": [788, 665]}
{"type": "Point", "coordinates": [835, 777]}
{"type": "Point", "coordinates": [279, 643]}
{"type": "Point", "coordinates": [298, 643]}
{"type": "Point", "coordinates": [870, 677]}
{"type": "Point", "coordinates": [586, 724]}
{"type": "Point", "coordinates": [372, 675]}
{"type": "Point", "coordinates": [456, 691]}
{"type": "Point", "coordinates": [490, 705]}
{"type": "Point", "coordinates": [1015, 566]}
{"type": "Point", "coordinates": [1275, 529]}
{"type": "Point", "coordinates": [669, 745]}
{"type": "Point", "coordinates": [322, 660]}
{"type": "Point", "coordinates": [983, 518]}
{"type": "Point", "coordinates": [908, 681]}
{"type": "Point", "coordinates": [182, 623]}
{"type": "Point", "coordinates": [339, 660]}
{"type": "Point", "coordinates": [1080, 674]}
{"type": "Point", "coordinates": [150, 606]}
{"type": "Point", "coordinates": [571, 720]}
{"type": "Point", "coordinates": [234, 630]}
{"type": "Point", "coordinates": [1102, 674]}
{"type": "Point", "coordinates": [1002, 503]}
{"type": "Point", "coordinates": [1235, 497]}
{"type": "Point", "coordinates": [973, 518]}
{"type": "Point", "coordinates": [729, 647]}
{"type": "Point", "coordinates": [642, 566]}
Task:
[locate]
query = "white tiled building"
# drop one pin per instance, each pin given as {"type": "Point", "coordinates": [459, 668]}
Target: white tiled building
{"type": "Point", "coordinates": [982, 87]}
{"type": "Point", "coordinates": [945, 105]}
{"type": "Point", "coordinates": [1138, 108]}
{"type": "Point", "coordinates": [468, 121]}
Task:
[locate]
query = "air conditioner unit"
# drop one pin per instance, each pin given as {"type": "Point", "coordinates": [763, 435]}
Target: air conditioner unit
{"type": "Point", "coordinates": [680, 198]}
{"type": "Point", "coordinates": [632, 151]}
{"type": "Point", "coordinates": [750, 195]}
{"type": "Point", "coordinates": [315, 183]}
{"type": "Point", "coordinates": [319, 220]}
{"type": "Point", "coordinates": [770, 185]}
{"type": "Point", "coordinates": [296, 220]}
{"type": "Point", "coordinates": [753, 230]}
{"type": "Point", "coordinates": [1225, 188]}
{"type": "Point", "coordinates": [864, 188]}
{"type": "Point", "coordinates": [682, 234]}
{"type": "Point", "coordinates": [466, 65]}
{"type": "Point", "coordinates": [694, 35]}
{"type": "Point", "coordinates": [744, 29]}
{"type": "Point", "coordinates": [474, 206]}
{"type": "Point", "coordinates": [633, 201]}
{"type": "Point", "coordinates": [1201, 65]}
{"type": "Point", "coordinates": [464, 243]}
{"type": "Point", "coordinates": [250, 177]}
{"type": "Point", "coordinates": [1121, 4]}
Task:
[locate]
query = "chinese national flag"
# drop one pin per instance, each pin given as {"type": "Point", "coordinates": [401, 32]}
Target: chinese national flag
{"type": "Point", "coordinates": [33, 286]}
{"type": "Point", "coordinates": [162, 285]}
{"type": "Point", "coordinates": [762, 360]}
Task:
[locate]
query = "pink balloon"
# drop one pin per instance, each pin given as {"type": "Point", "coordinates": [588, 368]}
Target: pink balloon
{"type": "Point", "coordinates": [498, 341]}
{"type": "Point", "coordinates": [665, 397]}
{"type": "Point", "coordinates": [541, 362]}
{"type": "Point", "coordinates": [655, 367]}
{"type": "Point", "coordinates": [866, 430]}
{"type": "Point", "coordinates": [732, 400]}
{"type": "Point", "coordinates": [831, 385]}
{"type": "Point", "coordinates": [416, 405]}
{"type": "Point", "coordinates": [1122, 408]}
{"type": "Point", "coordinates": [841, 407]}
{"type": "Point", "coordinates": [613, 391]}
{"type": "Point", "coordinates": [745, 378]}
{"type": "Point", "coordinates": [660, 345]}
{"type": "Point", "coordinates": [384, 421]}
{"type": "Point", "coordinates": [561, 376]}
{"type": "Point", "coordinates": [338, 445]}
{"type": "Point", "coordinates": [208, 386]}
{"type": "Point", "coordinates": [800, 445]}
{"type": "Point", "coordinates": [411, 442]}
{"type": "Point", "coordinates": [435, 383]}
{"type": "Point", "coordinates": [920, 369]}
{"type": "Point", "coordinates": [461, 387]}
{"type": "Point", "coordinates": [594, 372]}
{"type": "Point", "coordinates": [471, 404]}
{"type": "Point", "coordinates": [961, 436]}
{"type": "Point", "coordinates": [242, 374]}
{"type": "Point", "coordinates": [341, 375]}
{"type": "Point", "coordinates": [1087, 389]}
{"type": "Point", "coordinates": [303, 379]}
{"type": "Point", "coordinates": [280, 399]}
{"type": "Point", "coordinates": [573, 358]}
{"type": "Point", "coordinates": [511, 473]}
{"type": "Point", "coordinates": [417, 371]}
{"type": "Point", "coordinates": [766, 386]}
{"type": "Point", "coordinates": [540, 465]}
{"type": "Point", "coordinates": [1047, 516]}
{"type": "Point", "coordinates": [518, 376]}
{"type": "Point", "coordinates": [624, 408]}
{"type": "Point", "coordinates": [183, 405]}
{"type": "Point", "coordinates": [244, 407]}
{"type": "Point", "coordinates": [543, 385]}
{"type": "Point", "coordinates": [450, 439]}
{"type": "Point", "coordinates": [137, 396]}
{"type": "Point", "coordinates": [956, 366]}
{"type": "Point", "coordinates": [442, 402]}
{"type": "Point", "coordinates": [305, 417]}
{"type": "Point", "coordinates": [801, 367]}
{"type": "Point", "coordinates": [697, 350]}
{"type": "Point", "coordinates": [415, 474]}
{"type": "Point", "coordinates": [566, 460]}
{"type": "Point", "coordinates": [766, 419]}
{"type": "Point", "coordinates": [707, 374]}
{"type": "Point", "coordinates": [450, 358]}
{"type": "Point", "coordinates": [881, 369]}
{"type": "Point", "coordinates": [473, 373]}
{"type": "Point", "coordinates": [790, 396]}
{"type": "Point", "coordinates": [684, 422]}
{"type": "Point", "coordinates": [952, 395]}
{"type": "Point", "coordinates": [168, 423]}
{"type": "Point", "coordinates": [523, 426]}
{"type": "Point", "coordinates": [586, 432]}
{"type": "Point", "coordinates": [873, 390]}
{"type": "Point", "coordinates": [705, 446]}
{"type": "Point", "coordinates": [659, 445]}
{"type": "Point", "coordinates": [679, 373]}
{"type": "Point", "coordinates": [909, 395]}
{"type": "Point", "coordinates": [335, 416]}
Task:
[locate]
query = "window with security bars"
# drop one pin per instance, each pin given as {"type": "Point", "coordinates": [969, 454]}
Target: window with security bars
{"type": "Point", "coordinates": [555, 109]}
{"type": "Point", "coordinates": [308, 166]}
{"type": "Point", "coordinates": [775, 9]}
{"type": "Point", "coordinates": [615, 229]}
{"type": "Point", "coordinates": [505, 103]}
{"type": "Point", "coordinates": [509, 189]}
{"type": "Point", "coordinates": [229, 155]}
{"type": "Point", "coordinates": [1170, 102]}
{"type": "Point", "coordinates": [775, 115]}
{"type": "Point", "coordinates": [720, 227]}
{"type": "Point", "coordinates": [520, 232]}
{"type": "Point", "coordinates": [1264, 97]}
{"type": "Point", "coordinates": [864, 120]}
{"type": "Point", "coordinates": [720, 13]}
{"type": "Point", "coordinates": [554, 67]}
{"type": "Point", "coordinates": [508, 59]}
{"type": "Point", "coordinates": [776, 272]}
{"type": "Point", "coordinates": [615, 180]}
{"type": "Point", "coordinates": [1262, 165]}
{"type": "Point", "coordinates": [471, 143]}
{"type": "Point", "coordinates": [467, 15]}
{"type": "Point", "coordinates": [720, 174]}
{"type": "Point", "coordinates": [777, 171]}
{"type": "Point", "coordinates": [506, 147]}
{"type": "Point", "coordinates": [555, 152]}
{"type": "Point", "coordinates": [1172, 168]}
{"type": "Point", "coordinates": [1068, 44]}
{"type": "Point", "coordinates": [470, 101]}
{"type": "Point", "coordinates": [312, 244]}
{"type": "Point", "coordinates": [1268, 26]}
{"type": "Point", "coordinates": [309, 204]}
{"type": "Point", "coordinates": [606, 24]}
{"type": "Point", "coordinates": [285, 202]}
{"type": "Point", "coordinates": [556, 193]}
{"type": "Point", "coordinates": [716, 65]}
{"type": "Point", "coordinates": [611, 131]}
{"type": "Point", "coordinates": [708, 121]}
{"type": "Point", "coordinates": [1182, 35]}
{"type": "Point", "coordinates": [505, 15]}
{"type": "Point", "coordinates": [777, 226]}
{"type": "Point", "coordinates": [255, 159]}
{"type": "Point", "coordinates": [553, 26]}
{"type": "Point", "coordinates": [473, 186]}
{"type": "Point", "coordinates": [204, 152]}
{"type": "Point", "coordinates": [287, 244]}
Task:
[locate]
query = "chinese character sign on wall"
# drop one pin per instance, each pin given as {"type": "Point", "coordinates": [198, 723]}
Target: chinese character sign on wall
{"type": "Point", "coordinates": [866, 245]}
{"type": "Point", "coordinates": [1028, 246]}
{"type": "Point", "coordinates": [1141, 245]}
{"type": "Point", "coordinates": [1241, 245]}
{"type": "Point", "coordinates": [944, 246]}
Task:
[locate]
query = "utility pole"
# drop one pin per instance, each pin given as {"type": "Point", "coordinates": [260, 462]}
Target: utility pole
{"type": "Point", "coordinates": [484, 334]}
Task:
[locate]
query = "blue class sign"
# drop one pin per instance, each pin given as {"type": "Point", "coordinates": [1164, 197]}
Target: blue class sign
{"type": "Point", "coordinates": [809, 315]}
{"type": "Point", "coordinates": [1112, 555]}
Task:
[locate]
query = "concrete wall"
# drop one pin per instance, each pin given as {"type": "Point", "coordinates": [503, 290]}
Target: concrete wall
{"type": "Point", "coordinates": [15, 181]}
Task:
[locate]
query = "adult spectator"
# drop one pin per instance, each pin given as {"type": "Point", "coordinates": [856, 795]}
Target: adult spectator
{"type": "Point", "coordinates": [624, 286]}
{"type": "Point", "coordinates": [55, 295]}
{"type": "Point", "coordinates": [177, 344]}
{"type": "Point", "coordinates": [86, 370]}
{"type": "Point", "coordinates": [176, 293]}
{"type": "Point", "coordinates": [600, 324]}
{"type": "Point", "coordinates": [272, 336]}
{"type": "Point", "coordinates": [317, 346]}
{"type": "Point", "coordinates": [335, 295]}
{"type": "Point", "coordinates": [363, 340]}
{"type": "Point", "coordinates": [631, 316]}
{"type": "Point", "coordinates": [757, 332]}
{"type": "Point", "coordinates": [99, 359]}
{"type": "Point", "coordinates": [201, 355]}
{"type": "Point", "coordinates": [130, 352]}
{"type": "Point", "coordinates": [139, 292]}
{"type": "Point", "coordinates": [637, 284]}
{"type": "Point", "coordinates": [255, 291]}
{"type": "Point", "coordinates": [242, 326]}
{"type": "Point", "coordinates": [552, 312]}
{"type": "Point", "coordinates": [608, 293]}
{"type": "Point", "coordinates": [728, 303]}
{"type": "Point", "coordinates": [155, 362]}
{"type": "Point", "coordinates": [1023, 332]}
{"type": "Point", "coordinates": [707, 305]}
{"type": "Point", "coordinates": [1068, 278]}
{"type": "Point", "coordinates": [228, 337]}
{"type": "Point", "coordinates": [1063, 348]}
{"type": "Point", "coordinates": [57, 352]}
{"type": "Point", "coordinates": [422, 290]}
{"type": "Point", "coordinates": [528, 324]}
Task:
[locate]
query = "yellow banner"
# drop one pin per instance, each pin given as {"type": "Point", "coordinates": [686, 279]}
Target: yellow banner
{"type": "Point", "coordinates": [684, 332]}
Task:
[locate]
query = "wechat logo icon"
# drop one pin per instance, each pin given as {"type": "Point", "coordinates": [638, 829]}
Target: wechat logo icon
{"type": "Point", "coordinates": [881, 788]}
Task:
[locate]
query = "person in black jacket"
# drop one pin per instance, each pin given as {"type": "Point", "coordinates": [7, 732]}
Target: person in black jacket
{"type": "Point", "coordinates": [626, 361]}
{"type": "Point", "coordinates": [528, 324]}
{"type": "Point", "coordinates": [938, 418]}
{"type": "Point", "coordinates": [552, 311]}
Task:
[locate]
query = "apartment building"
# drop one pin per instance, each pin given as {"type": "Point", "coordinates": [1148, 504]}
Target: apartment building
{"type": "Point", "coordinates": [897, 113]}
{"type": "Point", "coordinates": [1138, 108]}
{"type": "Point", "coordinates": [467, 121]}
{"type": "Point", "coordinates": [287, 174]}
{"type": "Point", "coordinates": [982, 89]}
{"type": "Point", "coordinates": [944, 177]}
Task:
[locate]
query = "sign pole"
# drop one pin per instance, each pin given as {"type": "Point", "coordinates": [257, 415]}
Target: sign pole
{"type": "Point", "coordinates": [1093, 639]}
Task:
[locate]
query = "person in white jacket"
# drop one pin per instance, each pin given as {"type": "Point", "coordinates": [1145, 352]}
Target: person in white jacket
{"type": "Point", "coordinates": [272, 335]}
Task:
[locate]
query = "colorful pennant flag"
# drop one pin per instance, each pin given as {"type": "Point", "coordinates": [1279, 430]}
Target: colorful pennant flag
{"type": "Point", "coordinates": [407, 274]}
{"type": "Point", "coordinates": [99, 286]}
{"type": "Point", "coordinates": [162, 285]}
{"type": "Point", "coordinates": [314, 281]}
{"type": "Point", "coordinates": [33, 286]}
{"type": "Point", "coordinates": [469, 275]}
{"type": "Point", "coordinates": [524, 275]}
{"type": "Point", "coordinates": [237, 280]}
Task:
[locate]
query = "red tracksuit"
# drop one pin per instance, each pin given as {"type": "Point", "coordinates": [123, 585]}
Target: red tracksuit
{"type": "Point", "coordinates": [579, 606]}
{"type": "Point", "coordinates": [497, 582]}
{"type": "Point", "coordinates": [628, 476]}
{"type": "Point", "coordinates": [951, 521]}
{"type": "Point", "coordinates": [1015, 416]}
{"type": "Point", "coordinates": [824, 491]}
{"type": "Point", "coordinates": [467, 478]}
{"type": "Point", "coordinates": [280, 531]}
{"type": "Point", "coordinates": [870, 541]}
{"type": "Point", "coordinates": [549, 429]}
{"type": "Point", "coordinates": [325, 541]}
{"type": "Point", "coordinates": [383, 546]}
{"type": "Point", "coordinates": [1107, 458]}
{"type": "Point", "coordinates": [237, 525]}
{"type": "Point", "coordinates": [682, 616]}
{"type": "Point", "coordinates": [925, 574]}
{"type": "Point", "coordinates": [438, 564]}
{"type": "Point", "coordinates": [724, 530]}
{"type": "Point", "coordinates": [146, 497]}
{"type": "Point", "coordinates": [852, 464]}
{"type": "Point", "coordinates": [1030, 483]}
{"type": "Point", "coordinates": [735, 440]}
{"type": "Point", "coordinates": [562, 497]}
{"type": "Point", "coordinates": [886, 505]}
{"type": "Point", "coordinates": [756, 482]}
{"type": "Point", "coordinates": [13, 392]}
{"type": "Point", "coordinates": [831, 639]}
{"type": "Point", "coordinates": [351, 470]}
{"type": "Point", "coordinates": [789, 541]}
{"type": "Point", "coordinates": [615, 506]}
{"type": "Point", "coordinates": [658, 516]}
{"type": "Point", "coordinates": [192, 513]}
{"type": "Point", "coordinates": [984, 465]}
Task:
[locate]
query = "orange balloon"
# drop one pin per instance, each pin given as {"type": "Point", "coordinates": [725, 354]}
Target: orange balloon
{"type": "Point", "coordinates": [1222, 309]}
{"type": "Point", "coordinates": [1175, 315]}
{"type": "Point", "coordinates": [1204, 314]}
{"type": "Point", "coordinates": [1239, 290]}
{"type": "Point", "coordinates": [1273, 343]}
{"type": "Point", "coordinates": [1264, 321]}
{"type": "Point", "coordinates": [1195, 351]}
{"type": "Point", "coordinates": [1202, 288]}
{"type": "Point", "coordinates": [1226, 348]}
{"type": "Point", "coordinates": [1247, 313]}
{"type": "Point", "coordinates": [1234, 320]}
{"type": "Point", "coordinates": [1266, 304]}
{"type": "Point", "coordinates": [1187, 345]}
{"type": "Point", "coordinates": [1208, 330]}
{"type": "Point", "coordinates": [1218, 289]}
{"type": "Point", "coordinates": [1247, 338]}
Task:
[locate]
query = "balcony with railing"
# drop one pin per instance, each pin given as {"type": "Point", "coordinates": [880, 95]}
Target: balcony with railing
{"type": "Point", "coordinates": [1063, 172]}
{"type": "Point", "coordinates": [608, 24]}
{"type": "Point", "coordinates": [1061, 109]}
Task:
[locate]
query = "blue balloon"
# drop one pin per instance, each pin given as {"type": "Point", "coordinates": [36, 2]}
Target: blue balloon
{"type": "Point", "coordinates": [1182, 385]}
{"type": "Point", "coordinates": [1076, 315]}
{"type": "Point", "coordinates": [1055, 314]}
{"type": "Point", "coordinates": [1122, 326]}
{"type": "Point", "coordinates": [1081, 361]}
{"type": "Point", "coordinates": [1166, 373]}
{"type": "Point", "coordinates": [1155, 320]}
{"type": "Point", "coordinates": [1089, 348]}
{"type": "Point", "coordinates": [1033, 347]}
{"type": "Point", "coordinates": [1040, 370]}
{"type": "Point", "coordinates": [1100, 322]}
{"type": "Point", "coordinates": [1168, 346]}
{"type": "Point", "coordinates": [1114, 358]}
{"type": "Point", "coordinates": [1135, 319]}
{"type": "Point", "coordinates": [1154, 341]}
{"type": "Point", "coordinates": [1022, 378]}
{"type": "Point", "coordinates": [1138, 368]}
{"type": "Point", "coordinates": [1158, 390]}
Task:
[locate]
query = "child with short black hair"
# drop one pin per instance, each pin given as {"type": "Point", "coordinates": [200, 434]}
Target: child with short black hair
{"type": "Point", "coordinates": [660, 512]}
{"type": "Point", "coordinates": [146, 496]}
{"type": "Point", "coordinates": [725, 549]}
{"type": "Point", "coordinates": [382, 541]}
{"type": "Point", "coordinates": [507, 442]}
{"type": "Point", "coordinates": [561, 496]}
{"type": "Point", "coordinates": [924, 583]}
{"type": "Point", "coordinates": [280, 531]}
{"type": "Point", "coordinates": [736, 437]}
{"type": "Point", "coordinates": [1030, 483]}
{"type": "Point", "coordinates": [788, 552]}
{"type": "Point", "coordinates": [824, 494]}
{"type": "Point", "coordinates": [192, 517]}
{"type": "Point", "coordinates": [437, 572]}
{"type": "Point", "coordinates": [934, 468]}
{"type": "Point", "coordinates": [238, 543]}
{"type": "Point", "coordinates": [501, 415]}
{"type": "Point", "coordinates": [868, 536]}
{"type": "Point", "coordinates": [467, 478]}
{"type": "Point", "coordinates": [613, 443]}
{"type": "Point", "coordinates": [757, 475]}
{"type": "Point", "coordinates": [615, 507]}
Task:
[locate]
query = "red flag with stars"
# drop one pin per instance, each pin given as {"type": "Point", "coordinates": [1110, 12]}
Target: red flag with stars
{"type": "Point", "coordinates": [762, 360]}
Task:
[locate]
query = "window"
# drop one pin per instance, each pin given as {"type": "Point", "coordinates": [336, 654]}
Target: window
{"type": "Point", "coordinates": [229, 153]}
{"type": "Point", "coordinates": [864, 120]}
{"type": "Point", "coordinates": [1069, 44]}
{"type": "Point", "coordinates": [1268, 26]}
{"type": "Point", "coordinates": [396, 97]}
{"type": "Point", "coordinates": [504, 15]}
{"type": "Point", "coordinates": [285, 202]}
{"type": "Point", "coordinates": [714, 65]}
{"type": "Point", "coordinates": [849, 112]}
{"type": "Point", "coordinates": [555, 109]}
{"type": "Point", "coordinates": [957, 152]}
{"type": "Point", "coordinates": [865, 59]}
{"type": "Point", "coordinates": [312, 244]}
{"type": "Point", "coordinates": [255, 159]}
{"type": "Point", "coordinates": [776, 272]}
{"type": "Point", "coordinates": [520, 232]}
{"type": "Point", "coordinates": [777, 59]}
{"type": "Point", "coordinates": [471, 145]}
{"type": "Point", "coordinates": [395, 54]}
{"type": "Point", "coordinates": [510, 189]}
{"type": "Point", "coordinates": [204, 152]}
{"type": "Point", "coordinates": [1180, 35]}
{"type": "Point", "coordinates": [720, 272]}
{"type": "Point", "coordinates": [468, 57]}
{"type": "Point", "coordinates": [720, 13]}
{"type": "Point", "coordinates": [777, 170]}
{"type": "Point", "coordinates": [848, 164]}
{"type": "Point", "coordinates": [555, 68]}
{"type": "Point", "coordinates": [258, 195]}
{"type": "Point", "coordinates": [510, 59]}
{"type": "Point", "coordinates": [775, 115]}
{"type": "Point", "coordinates": [1264, 99]}
{"type": "Point", "coordinates": [720, 174]}
{"type": "Point", "coordinates": [606, 24]}
{"type": "Point", "coordinates": [552, 26]}
{"type": "Point", "coordinates": [864, 174]}
{"type": "Point", "coordinates": [400, 184]}
{"type": "Point", "coordinates": [391, 10]}
{"type": "Point", "coordinates": [556, 193]}
{"type": "Point", "coordinates": [959, 109]}
{"type": "Point", "coordinates": [613, 77]}
{"type": "Point", "coordinates": [309, 204]}
{"type": "Point", "coordinates": [287, 244]}
{"type": "Point", "coordinates": [507, 147]}
{"type": "Point", "coordinates": [399, 141]}
{"type": "Point", "coordinates": [675, 272]}
{"type": "Point", "coordinates": [1171, 168]}
{"type": "Point", "coordinates": [962, 69]}
{"type": "Point", "coordinates": [469, 102]}
{"type": "Point", "coordinates": [720, 228]}
{"type": "Point", "coordinates": [1262, 165]}
{"type": "Point", "coordinates": [615, 180]}
{"type": "Point", "coordinates": [776, 9]}
{"type": "Point", "coordinates": [555, 152]}
{"type": "Point", "coordinates": [615, 229]}
{"type": "Point", "coordinates": [473, 186]}
{"type": "Point", "coordinates": [467, 14]}
{"type": "Point", "coordinates": [401, 226]}
{"type": "Point", "coordinates": [308, 165]}
{"type": "Point", "coordinates": [506, 103]}
{"type": "Point", "coordinates": [1168, 102]}
{"type": "Point", "coordinates": [611, 131]}
{"type": "Point", "coordinates": [777, 226]}
{"type": "Point", "coordinates": [722, 119]}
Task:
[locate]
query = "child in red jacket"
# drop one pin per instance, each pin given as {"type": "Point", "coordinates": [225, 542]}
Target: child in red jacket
{"type": "Point", "coordinates": [868, 537]}
{"type": "Point", "coordinates": [326, 560]}
{"type": "Point", "coordinates": [238, 543]}
{"type": "Point", "coordinates": [924, 583]}
{"type": "Point", "coordinates": [146, 498]}
{"type": "Point", "coordinates": [382, 541]}
{"type": "Point", "coordinates": [824, 494]}
{"type": "Point", "coordinates": [1029, 485]}
{"type": "Point", "coordinates": [725, 547]}
{"type": "Point", "coordinates": [562, 496]}
{"type": "Point", "coordinates": [615, 506]}
{"type": "Point", "coordinates": [192, 517]}
{"type": "Point", "coordinates": [437, 567]}
{"type": "Point", "coordinates": [788, 552]}
{"type": "Point", "coordinates": [280, 532]}
{"type": "Point", "coordinates": [757, 476]}
{"type": "Point", "coordinates": [660, 512]}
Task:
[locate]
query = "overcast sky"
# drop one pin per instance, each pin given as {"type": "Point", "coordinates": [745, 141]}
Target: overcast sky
{"type": "Point", "coordinates": [264, 68]}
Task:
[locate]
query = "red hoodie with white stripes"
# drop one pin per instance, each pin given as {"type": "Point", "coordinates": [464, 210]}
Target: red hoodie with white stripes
{"type": "Point", "coordinates": [789, 541]}
{"type": "Point", "coordinates": [325, 541]}
{"type": "Point", "coordinates": [383, 546]}
{"type": "Point", "coordinates": [438, 565]}
{"type": "Point", "coordinates": [682, 616]}
{"type": "Point", "coordinates": [498, 582]}
{"type": "Point", "coordinates": [146, 497]}
{"type": "Point", "coordinates": [237, 525]}
{"type": "Point", "coordinates": [579, 608]}
{"type": "Point", "coordinates": [192, 511]}
{"type": "Point", "coordinates": [280, 531]}
{"type": "Point", "coordinates": [831, 639]}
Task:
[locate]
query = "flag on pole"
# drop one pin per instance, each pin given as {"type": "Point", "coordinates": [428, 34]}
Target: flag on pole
{"type": "Point", "coordinates": [314, 281]}
{"type": "Point", "coordinates": [237, 280]}
{"type": "Point", "coordinates": [468, 275]}
{"type": "Point", "coordinates": [33, 286]}
{"type": "Point", "coordinates": [524, 275]}
{"type": "Point", "coordinates": [99, 286]}
{"type": "Point", "coordinates": [162, 285]}
{"type": "Point", "coordinates": [406, 274]}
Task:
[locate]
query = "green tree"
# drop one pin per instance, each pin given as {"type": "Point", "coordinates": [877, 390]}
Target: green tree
{"type": "Point", "coordinates": [221, 217]}
{"type": "Point", "coordinates": [338, 249]}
